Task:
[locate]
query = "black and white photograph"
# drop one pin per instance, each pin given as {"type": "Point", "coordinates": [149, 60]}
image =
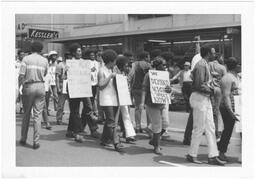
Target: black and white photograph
{"type": "Point", "coordinates": [129, 90]}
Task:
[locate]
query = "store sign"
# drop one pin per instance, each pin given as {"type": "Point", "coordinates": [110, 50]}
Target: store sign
{"type": "Point", "coordinates": [42, 34]}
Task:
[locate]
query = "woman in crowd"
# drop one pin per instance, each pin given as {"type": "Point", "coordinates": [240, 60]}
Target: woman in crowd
{"type": "Point", "coordinates": [52, 68]}
{"type": "Point", "coordinates": [156, 111]}
{"type": "Point", "coordinates": [75, 122]}
{"type": "Point", "coordinates": [122, 67]}
{"type": "Point", "coordinates": [108, 99]}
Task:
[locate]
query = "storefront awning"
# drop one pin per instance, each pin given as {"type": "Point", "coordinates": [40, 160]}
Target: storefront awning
{"type": "Point", "coordinates": [139, 32]}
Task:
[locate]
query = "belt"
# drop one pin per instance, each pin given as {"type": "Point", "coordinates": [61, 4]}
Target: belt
{"type": "Point", "coordinates": [34, 82]}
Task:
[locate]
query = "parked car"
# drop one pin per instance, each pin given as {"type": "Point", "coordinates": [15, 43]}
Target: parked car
{"type": "Point", "coordinates": [178, 102]}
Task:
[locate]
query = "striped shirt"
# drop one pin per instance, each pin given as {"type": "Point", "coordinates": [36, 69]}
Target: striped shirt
{"type": "Point", "coordinates": [34, 67]}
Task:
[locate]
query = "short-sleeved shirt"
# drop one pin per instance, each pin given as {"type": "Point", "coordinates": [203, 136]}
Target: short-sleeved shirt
{"type": "Point", "coordinates": [94, 75]}
{"type": "Point", "coordinates": [61, 72]}
{"type": "Point", "coordinates": [52, 71]}
{"type": "Point", "coordinates": [146, 88]}
{"type": "Point", "coordinates": [140, 69]}
{"type": "Point", "coordinates": [34, 67]}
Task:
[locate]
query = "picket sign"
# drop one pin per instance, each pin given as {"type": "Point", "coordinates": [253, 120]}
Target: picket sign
{"type": "Point", "coordinates": [79, 78]}
{"type": "Point", "coordinates": [124, 97]}
{"type": "Point", "coordinates": [158, 81]}
{"type": "Point", "coordinates": [238, 125]}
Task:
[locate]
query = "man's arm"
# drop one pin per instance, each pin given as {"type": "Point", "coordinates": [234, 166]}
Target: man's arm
{"type": "Point", "coordinates": [226, 85]}
{"type": "Point", "coordinates": [103, 81]}
{"type": "Point", "coordinates": [200, 81]}
{"type": "Point", "coordinates": [58, 73]}
{"type": "Point", "coordinates": [22, 73]}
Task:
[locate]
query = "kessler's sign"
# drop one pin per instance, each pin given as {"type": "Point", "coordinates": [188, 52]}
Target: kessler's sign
{"type": "Point", "coordinates": [42, 34]}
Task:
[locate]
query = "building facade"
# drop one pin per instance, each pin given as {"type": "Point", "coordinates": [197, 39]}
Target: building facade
{"type": "Point", "coordinates": [135, 32]}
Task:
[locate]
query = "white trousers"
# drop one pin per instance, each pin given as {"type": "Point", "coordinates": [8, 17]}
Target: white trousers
{"type": "Point", "coordinates": [129, 130]}
{"type": "Point", "coordinates": [202, 122]}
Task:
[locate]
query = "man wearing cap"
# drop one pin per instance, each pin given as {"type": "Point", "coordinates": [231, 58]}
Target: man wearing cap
{"type": "Point", "coordinates": [33, 68]}
{"type": "Point", "coordinates": [52, 68]}
{"type": "Point", "coordinates": [185, 82]}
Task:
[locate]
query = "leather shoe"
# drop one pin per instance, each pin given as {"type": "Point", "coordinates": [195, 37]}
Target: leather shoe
{"type": "Point", "coordinates": [223, 157]}
{"type": "Point", "coordinates": [192, 159]}
{"type": "Point", "coordinates": [216, 161]}
{"type": "Point", "coordinates": [130, 139]}
{"type": "Point", "coordinates": [95, 134]}
{"type": "Point", "coordinates": [157, 150]}
{"type": "Point", "coordinates": [36, 146]}
{"type": "Point", "coordinates": [119, 147]}
{"type": "Point", "coordinates": [48, 127]}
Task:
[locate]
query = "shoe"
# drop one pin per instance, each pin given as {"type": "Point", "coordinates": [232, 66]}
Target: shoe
{"type": "Point", "coordinates": [157, 150]}
{"type": "Point", "coordinates": [186, 142]}
{"type": "Point", "coordinates": [141, 130]}
{"type": "Point", "coordinates": [70, 135]}
{"type": "Point", "coordinates": [216, 161]}
{"type": "Point", "coordinates": [151, 142]}
{"type": "Point", "coordinates": [36, 146]}
{"type": "Point", "coordinates": [137, 131]}
{"type": "Point", "coordinates": [119, 147]}
{"type": "Point", "coordinates": [48, 126]}
{"type": "Point", "coordinates": [79, 139]}
{"type": "Point", "coordinates": [95, 134]}
{"type": "Point", "coordinates": [223, 157]}
{"type": "Point", "coordinates": [23, 143]}
{"type": "Point", "coordinates": [130, 139]}
{"type": "Point", "coordinates": [192, 159]}
{"type": "Point", "coordinates": [106, 144]}
{"type": "Point", "coordinates": [59, 123]}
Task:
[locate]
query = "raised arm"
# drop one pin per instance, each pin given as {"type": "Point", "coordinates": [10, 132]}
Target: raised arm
{"type": "Point", "coordinates": [103, 81]}
{"type": "Point", "coordinates": [226, 85]}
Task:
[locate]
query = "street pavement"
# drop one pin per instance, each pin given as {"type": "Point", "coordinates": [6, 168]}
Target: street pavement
{"type": "Point", "coordinates": [57, 150]}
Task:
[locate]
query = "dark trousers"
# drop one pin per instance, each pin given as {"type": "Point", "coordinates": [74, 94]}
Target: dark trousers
{"type": "Point", "coordinates": [87, 113]}
{"type": "Point", "coordinates": [229, 123]}
{"type": "Point", "coordinates": [60, 107]}
{"type": "Point", "coordinates": [94, 91]}
{"type": "Point", "coordinates": [186, 91]}
{"type": "Point", "coordinates": [109, 130]}
{"type": "Point", "coordinates": [189, 127]}
{"type": "Point", "coordinates": [75, 122]}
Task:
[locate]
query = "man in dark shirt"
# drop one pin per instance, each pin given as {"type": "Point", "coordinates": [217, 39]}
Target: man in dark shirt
{"type": "Point", "coordinates": [141, 67]}
{"type": "Point", "coordinates": [202, 111]}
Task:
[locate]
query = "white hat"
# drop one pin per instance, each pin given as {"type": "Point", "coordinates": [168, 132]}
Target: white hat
{"type": "Point", "coordinates": [52, 52]}
{"type": "Point", "coordinates": [45, 55]}
{"type": "Point", "coordinates": [187, 63]}
{"type": "Point", "coordinates": [59, 59]}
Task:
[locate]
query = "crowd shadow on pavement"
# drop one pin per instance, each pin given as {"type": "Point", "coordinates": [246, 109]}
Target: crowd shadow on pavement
{"type": "Point", "coordinates": [30, 146]}
{"type": "Point", "coordinates": [135, 150]}
{"type": "Point", "coordinates": [171, 143]}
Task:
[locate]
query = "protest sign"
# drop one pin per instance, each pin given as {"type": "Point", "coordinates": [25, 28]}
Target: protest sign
{"type": "Point", "coordinates": [79, 78]}
{"type": "Point", "coordinates": [237, 101]}
{"type": "Point", "coordinates": [158, 81]}
{"type": "Point", "coordinates": [124, 97]}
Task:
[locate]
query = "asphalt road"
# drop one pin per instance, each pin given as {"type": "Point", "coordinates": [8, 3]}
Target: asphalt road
{"type": "Point", "coordinates": [57, 150]}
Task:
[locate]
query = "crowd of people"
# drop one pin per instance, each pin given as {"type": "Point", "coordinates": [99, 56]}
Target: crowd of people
{"type": "Point", "coordinates": [208, 82]}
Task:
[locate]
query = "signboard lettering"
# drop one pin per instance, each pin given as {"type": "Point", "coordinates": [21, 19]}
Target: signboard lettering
{"type": "Point", "coordinates": [158, 81]}
{"type": "Point", "coordinates": [42, 34]}
{"type": "Point", "coordinates": [79, 78]}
